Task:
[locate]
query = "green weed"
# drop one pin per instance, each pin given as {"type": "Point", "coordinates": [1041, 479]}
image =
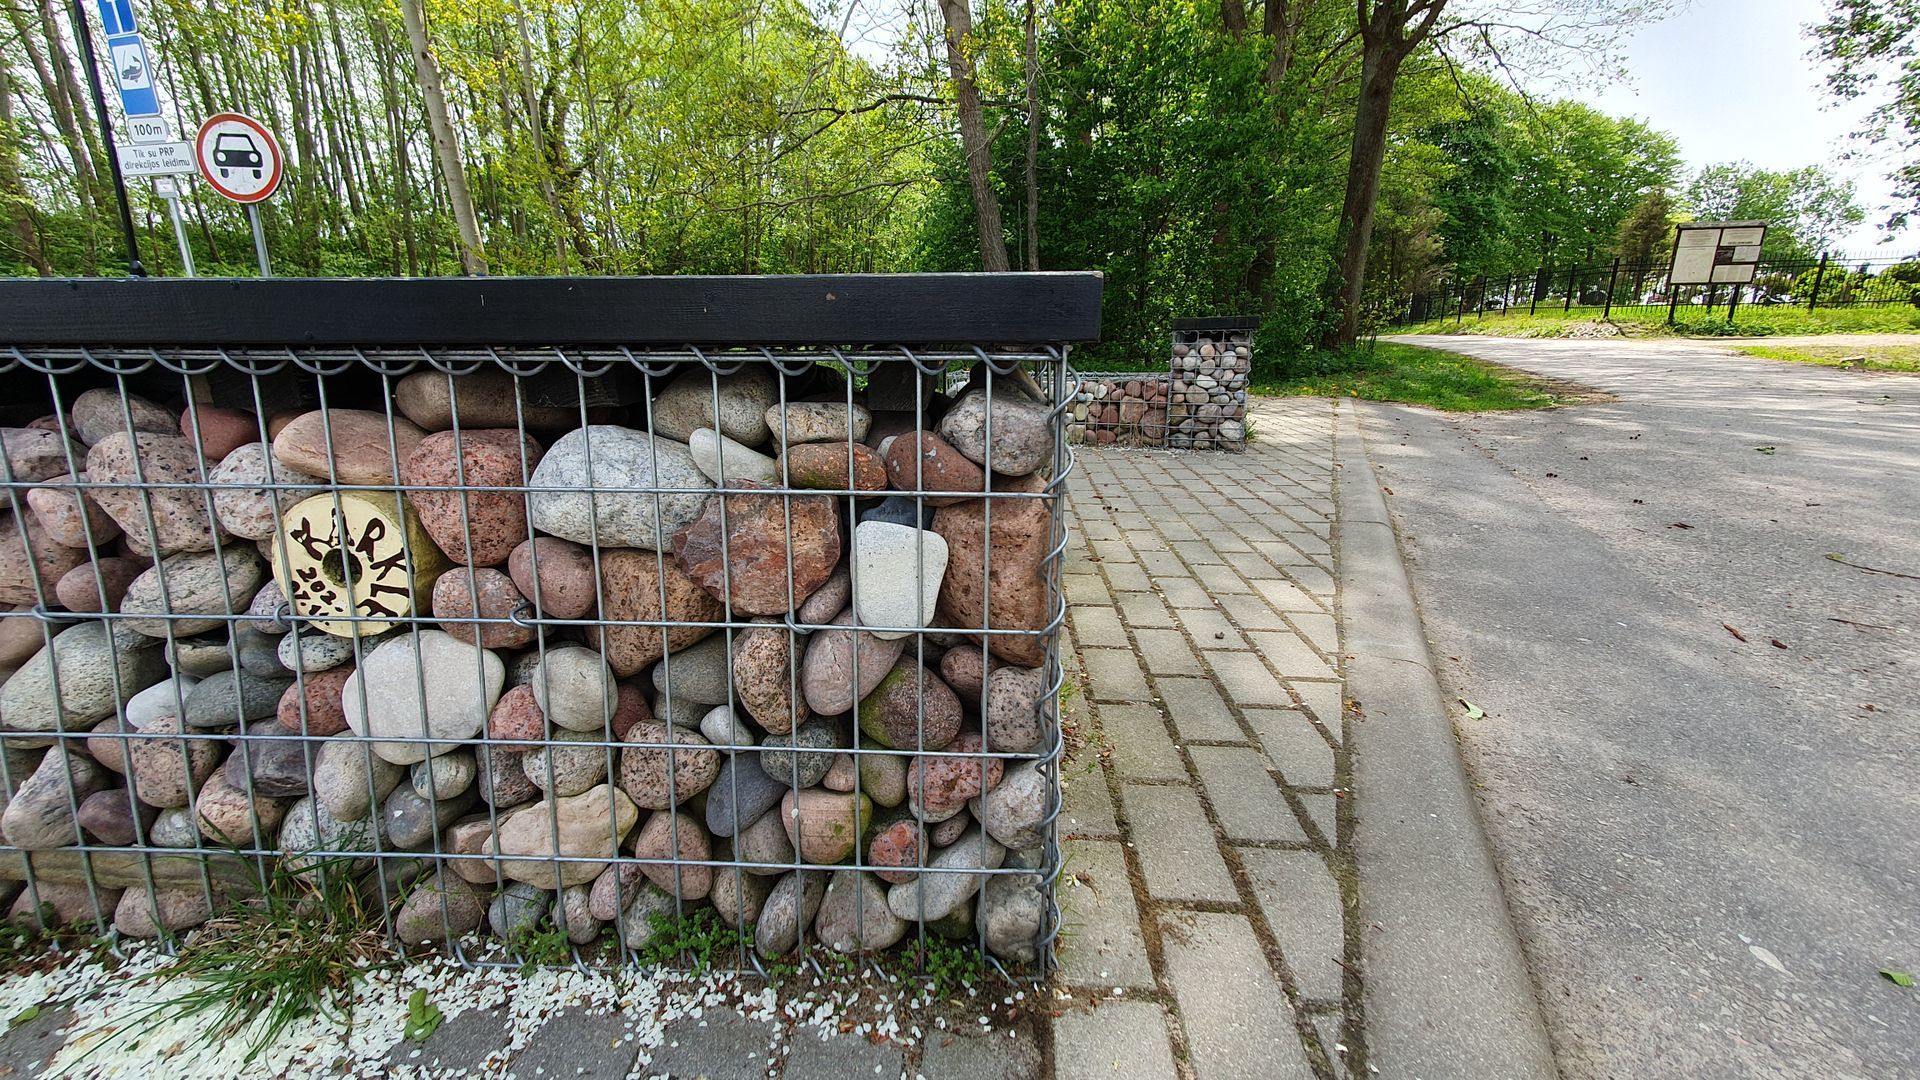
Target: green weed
{"type": "Point", "coordinates": [1388, 371]}
{"type": "Point", "coordinates": [699, 935]}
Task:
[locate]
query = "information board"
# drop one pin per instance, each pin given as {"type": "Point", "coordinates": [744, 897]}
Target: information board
{"type": "Point", "coordinates": [1716, 252]}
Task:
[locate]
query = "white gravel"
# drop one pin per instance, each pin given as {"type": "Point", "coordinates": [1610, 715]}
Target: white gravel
{"type": "Point", "coordinates": [122, 1027]}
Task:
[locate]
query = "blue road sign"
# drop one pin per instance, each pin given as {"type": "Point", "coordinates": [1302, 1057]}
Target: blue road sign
{"type": "Point", "coordinates": [116, 17]}
{"type": "Point", "coordinates": [133, 74]}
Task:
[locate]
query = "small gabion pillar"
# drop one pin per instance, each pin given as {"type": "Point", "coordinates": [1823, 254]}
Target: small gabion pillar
{"type": "Point", "coordinates": [1207, 395]}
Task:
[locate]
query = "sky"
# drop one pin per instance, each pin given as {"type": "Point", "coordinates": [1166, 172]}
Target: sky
{"type": "Point", "coordinates": [1730, 79]}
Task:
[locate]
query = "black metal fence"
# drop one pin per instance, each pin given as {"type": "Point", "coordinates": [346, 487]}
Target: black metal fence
{"type": "Point", "coordinates": [1829, 280]}
{"type": "Point", "coordinates": [564, 604]}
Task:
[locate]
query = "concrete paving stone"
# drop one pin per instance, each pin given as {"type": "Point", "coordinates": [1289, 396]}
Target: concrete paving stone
{"type": "Point", "coordinates": [1245, 678]}
{"type": "Point", "coordinates": [1251, 566]}
{"type": "Point", "coordinates": [1000, 1054]}
{"type": "Point", "coordinates": [1141, 747]}
{"type": "Point", "coordinates": [1294, 746]}
{"type": "Point", "coordinates": [719, 1045]}
{"type": "Point", "coordinates": [1252, 613]}
{"type": "Point", "coordinates": [1086, 806]}
{"type": "Point", "coordinates": [1281, 553]}
{"type": "Point", "coordinates": [27, 1047]}
{"type": "Point", "coordinates": [1324, 700]}
{"type": "Point", "coordinates": [1162, 564]}
{"type": "Point", "coordinates": [1085, 589]}
{"type": "Point", "coordinates": [1113, 551]}
{"type": "Point", "coordinates": [1099, 626]}
{"type": "Point", "coordinates": [1327, 1026]}
{"type": "Point", "coordinates": [1167, 652]}
{"type": "Point", "coordinates": [1323, 808]}
{"type": "Point", "coordinates": [1221, 580]}
{"type": "Point", "coordinates": [468, 1041]}
{"type": "Point", "coordinates": [1290, 654]}
{"type": "Point", "coordinates": [1114, 1040]}
{"type": "Point", "coordinates": [1178, 530]}
{"type": "Point", "coordinates": [1286, 596]}
{"type": "Point", "coordinates": [1310, 543]}
{"type": "Point", "coordinates": [1131, 520]}
{"type": "Point", "coordinates": [575, 1042]}
{"type": "Point", "coordinates": [1144, 540]}
{"type": "Point", "coordinates": [1239, 1024]}
{"type": "Point", "coordinates": [1246, 800]}
{"type": "Point", "coordinates": [1100, 941]}
{"type": "Point", "coordinates": [840, 1057]}
{"type": "Point", "coordinates": [1196, 552]}
{"type": "Point", "coordinates": [1226, 541]}
{"type": "Point", "coordinates": [1079, 558]}
{"type": "Point", "coordinates": [1113, 675]}
{"type": "Point", "coordinates": [1144, 609]}
{"type": "Point", "coordinates": [1128, 577]}
{"type": "Point", "coordinates": [1178, 852]}
{"type": "Point", "coordinates": [1301, 903]}
{"type": "Point", "coordinates": [1315, 579]}
{"type": "Point", "coordinates": [1197, 710]}
{"type": "Point", "coordinates": [1210, 628]}
{"type": "Point", "coordinates": [1094, 528]}
{"type": "Point", "coordinates": [1321, 630]}
{"type": "Point", "coordinates": [1183, 592]}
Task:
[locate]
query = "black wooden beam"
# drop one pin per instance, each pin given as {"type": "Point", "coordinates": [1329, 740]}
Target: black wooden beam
{"type": "Point", "coordinates": [1229, 322]}
{"type": "Point", "coordinates": [849, 309]}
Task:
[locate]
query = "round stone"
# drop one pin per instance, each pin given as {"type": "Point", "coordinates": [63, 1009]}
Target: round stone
{"type": "Point", "coordinates": [454, 597]}
{"type": "Point", "coordinates": [313, 706]}
{"type": "Point", "coordinates": [243, 505]}
{"type": "Point", "coordinates": [589, 473]}
{"type": "Point", "coordinates": [348, 446]}
{"type": "Point", "coordinates": [480, 528]}
{"type": "Point", "coordinates": [923, 461]}
{"type": "Point", "coordinates": [427, 684]}
{"type": "Point", "coordinates": [445, 776]}
{"type": "Point", "coordinates": [193, 583]}
{"type": "Point", "coordinates": [84, 587]}
{"type": "Point", "coordinates": [574, 688]}
{"type": "Point", "coordinates": [897, 570]}
{"type": "Point", "coordinates": [70, 516]}
{"type": "Point", "coordinates": [765, 675]}
{"type": "Point", "coordinates": [1016, 709]}
{"type": "Point", "coordinates": [558, 768]}
{"type": "Point", "coordinates": [648, 778]}
{"type": "Point", "coordinates": [911, 709]}
{"type": "Point", "coordinates": [555, 574]}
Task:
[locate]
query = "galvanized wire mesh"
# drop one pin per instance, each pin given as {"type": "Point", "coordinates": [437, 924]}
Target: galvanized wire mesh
{"type": "Point", "coordinates": [525, 638]}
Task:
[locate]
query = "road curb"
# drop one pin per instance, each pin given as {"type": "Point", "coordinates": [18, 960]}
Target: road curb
{"type": "Point", "coordinates": [1447, 992]}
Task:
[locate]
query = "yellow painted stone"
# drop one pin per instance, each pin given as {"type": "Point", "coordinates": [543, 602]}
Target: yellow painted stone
{"type": "Point", "coordinates": [374, 542]}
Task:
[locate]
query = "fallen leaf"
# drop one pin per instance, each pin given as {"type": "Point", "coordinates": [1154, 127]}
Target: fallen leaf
{"type": "Point", "coordinates": [1728, 627]}
{"type": "Point", "coordinates": [1678, 525]}
{"type": "Point", "coordinates": [1776, 643]}
{"type": "Point", "coordinates": [32, 1011]}
{"type": "Point", "coordinates": [1474, 712]}
{"type": "Point", "coordinates": [1897, 978]}
{"type": "Point", "coordinates": [1766, 957]}
{"type": "Point", "coordinates": [1766, 449]}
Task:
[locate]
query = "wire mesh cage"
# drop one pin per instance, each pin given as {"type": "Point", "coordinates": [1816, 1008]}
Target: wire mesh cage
{"type": "Point", "coordinates": [1207, 397]}
{"type": "Point", "coordinates": [1120, 408]}
{"type": "Point", "coordinates": [368, 580]}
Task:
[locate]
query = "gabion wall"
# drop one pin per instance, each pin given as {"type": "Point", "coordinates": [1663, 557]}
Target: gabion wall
{"type": "Point", "coordinates": [1207, 398]}
{"type": "Point", "coordinates": [579, 638]}
{"type": "Point", "coordinates": [1120, 408]}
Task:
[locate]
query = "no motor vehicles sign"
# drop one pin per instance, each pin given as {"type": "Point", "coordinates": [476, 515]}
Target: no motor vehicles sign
{"type": "Point", "coordinates": [238, 156]}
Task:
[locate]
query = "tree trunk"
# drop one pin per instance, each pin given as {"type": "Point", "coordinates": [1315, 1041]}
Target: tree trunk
{"type": "Point", "coordinates": [19, 202]}
{"type": "Point", "coordinates": [1033, 143]}
{"type": "Point", "coordinates": [1378, 69]}
{"type": "Point", "coordinates": [473, 257]}
{"type": "Point", "coordinates": [973, 135]}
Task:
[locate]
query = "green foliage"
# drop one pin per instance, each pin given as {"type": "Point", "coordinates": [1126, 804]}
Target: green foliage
{"type": "Point", "coordinates": [949, 969]}
{"type": "Point", "coordinates": [1646, 235]}
{"type": "Point", "coordinates": [1861, 357]}
{"type": "Point", "coordinates": [1806, 209]}
{"type": "Point", "coordinates": [697, 937]}
{"type": "Point", "coordinates": [1872, 52]}
{"type": "Point", "coordinates": [541, 945]}
{"type": "Point", "coordinates": [1754, 320]}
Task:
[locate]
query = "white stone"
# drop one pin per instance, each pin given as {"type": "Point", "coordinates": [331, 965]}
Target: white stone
{"type": "Point", "coordinates": [722, 728]}
{"type": "Point", "coordinates": [440, 686]}
{"type": "Point", "coordinates": [574, 688]}
{"type": "Point", "coordinates": [898, 570]}
{"type": "Point", "coordinates": [712, 450]}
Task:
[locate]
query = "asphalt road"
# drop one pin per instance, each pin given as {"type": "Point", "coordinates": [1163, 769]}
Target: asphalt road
{"type": "Point", "coordinates": [1710, 845]}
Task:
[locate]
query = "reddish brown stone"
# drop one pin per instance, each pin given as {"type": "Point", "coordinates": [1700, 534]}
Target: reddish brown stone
{"type": "Point", "coordinates": [321, 692]}
{"type": "Point", "coordinates": [358, 438]}
{"type": "Point", "coordinates": [923, 461]}
{"type": "Point", "coordinates": [19, 583]}
{"type": "Point", "coordinates": [750, 563]}
{"type": "Point", "coordinates": [765, 674]}
{"type": "Point", "coordinates": [897, 845]}
{"type": "Point", "coordinates": [564, 589]}
{"type": "Point", "coordinates": [631, 709]}
{"type": "Point", "coordinates": [517, 716]}
{"type": "Point", "coordinates": [824, 465]}
{"type": "Point", "coordinates": [79, 590]}
{"type": "Point", "coordinates": [221, 431]}
{"type": "Point", "coordinates": [656, 840]}
{"type": "Point", "coordinates": [1015, 556]}
{"type": "Point", "coordinates": [632, 583]}
{"type": "Point", "coordinates": [453, 598]}
{"type": "Point", "coordinates": [493, 522]}
{"type": "Point", "coordinates": [939, 785]}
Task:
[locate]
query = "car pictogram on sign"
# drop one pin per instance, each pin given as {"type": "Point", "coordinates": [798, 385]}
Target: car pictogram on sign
{"type": "Point", "coordinates": [235, 150]}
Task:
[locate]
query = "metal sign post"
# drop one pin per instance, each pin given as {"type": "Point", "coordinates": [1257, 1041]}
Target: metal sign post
{"type": "Point", "coordinates": [91, 62]}
{"type": "Point", "coordinates": [169, 189]}
{"type": "Point", "coordinates": [241, 161]}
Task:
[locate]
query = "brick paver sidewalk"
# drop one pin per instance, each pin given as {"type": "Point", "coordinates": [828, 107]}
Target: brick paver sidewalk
{"type": "Point", "coordinates": [1207, 861]}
